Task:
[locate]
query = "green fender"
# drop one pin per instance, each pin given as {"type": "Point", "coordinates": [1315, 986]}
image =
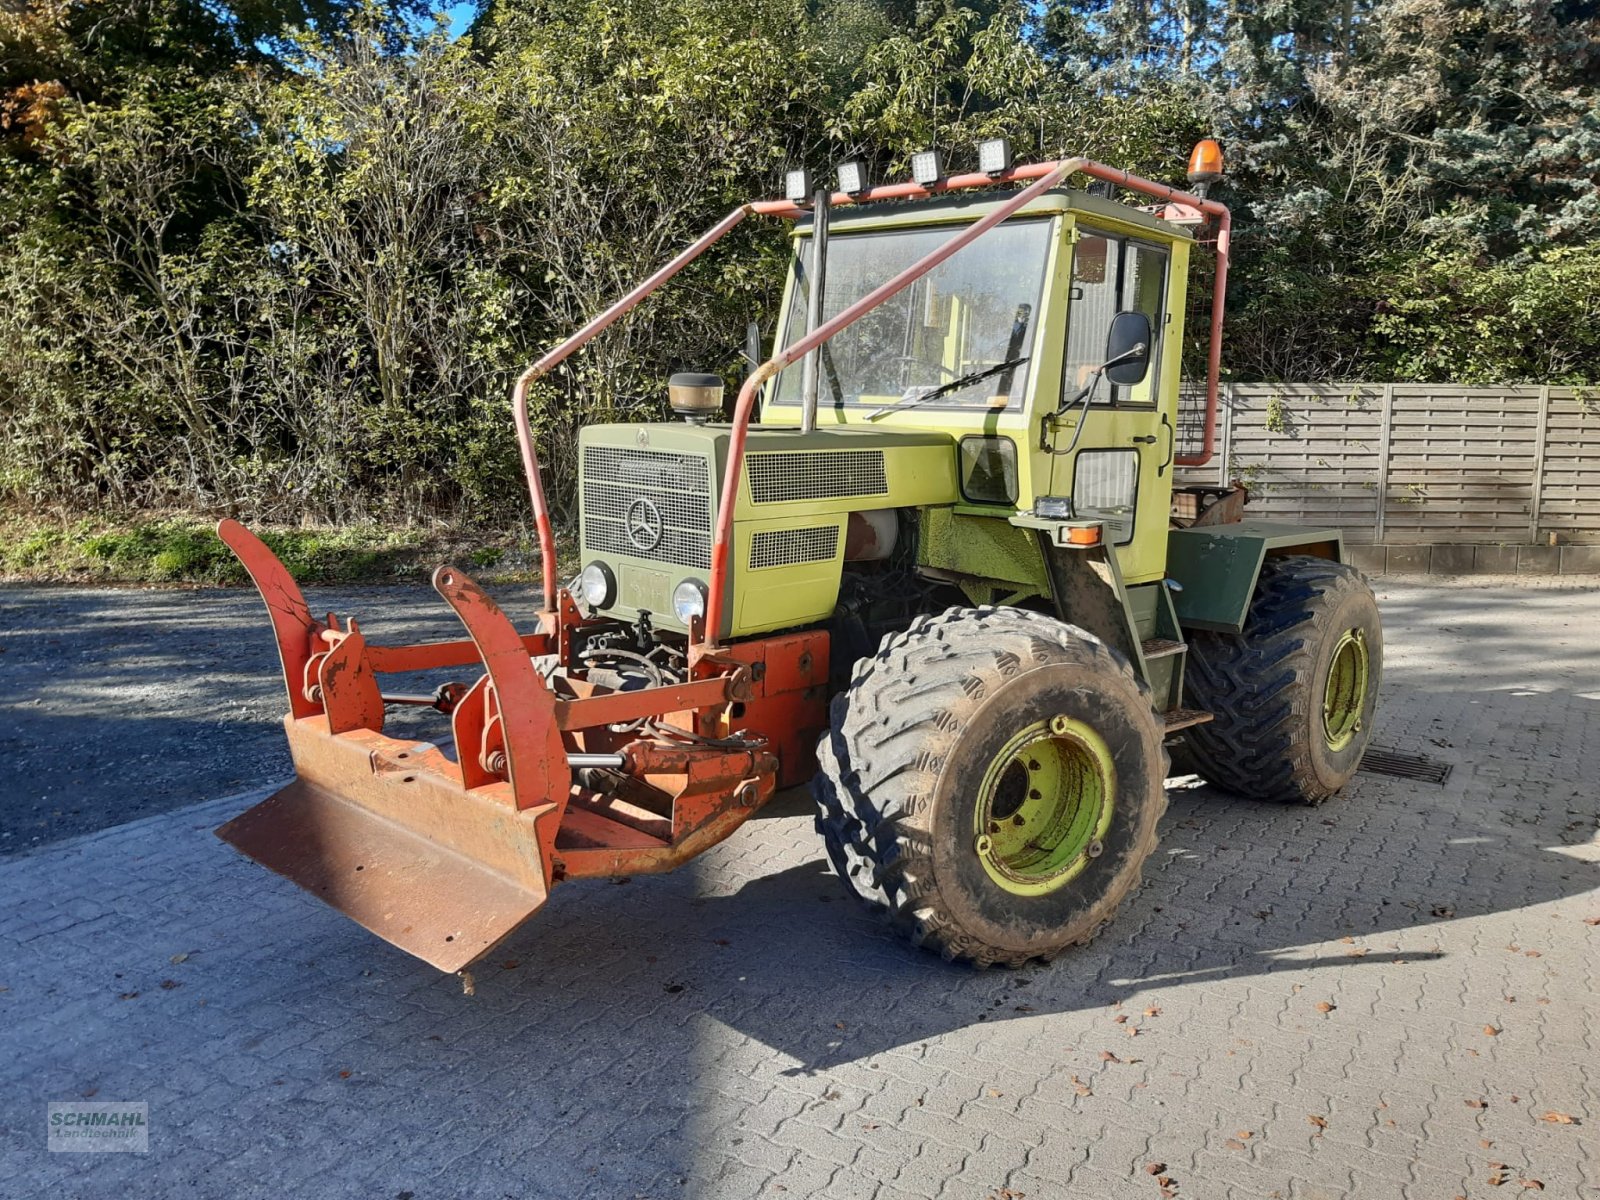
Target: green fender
{"type": "Point", "coordinates": [1218, 565]}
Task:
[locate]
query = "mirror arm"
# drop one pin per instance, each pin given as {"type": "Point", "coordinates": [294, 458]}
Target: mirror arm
{"type": "Point", "coordinates": [1051, 421]}
{"type": "Point", "coordinates": [1084, 393]}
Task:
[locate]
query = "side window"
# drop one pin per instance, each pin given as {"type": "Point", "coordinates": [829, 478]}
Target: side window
{"type": "Point", "coordinates": [1111, 275]}
{"type": "Point", "coordinates": [1144, 289]}
{"type": "Point", "coordinates": [1096, 265]}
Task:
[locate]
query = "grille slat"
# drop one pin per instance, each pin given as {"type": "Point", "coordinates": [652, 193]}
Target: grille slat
{"type": "Point", "coordinates": [610, 501]}
{"type": "Point", "coordinates": [677, 485]}
{"type": "Point", "coordinates": [785, 547]}
{"type": "Point", "coordinates": [775, 477]}
{"type": "Point", "coordinates": [676, 546]}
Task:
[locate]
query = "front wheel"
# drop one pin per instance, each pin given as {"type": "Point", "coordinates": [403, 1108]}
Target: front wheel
{"type": "Point", "coordinates": [993, 778]}
{"type": "Point", "coordinates": [1294, 694]}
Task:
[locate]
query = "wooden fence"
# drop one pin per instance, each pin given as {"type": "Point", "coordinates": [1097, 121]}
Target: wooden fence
{"type": "Point", "coordinates": [1416, 463]}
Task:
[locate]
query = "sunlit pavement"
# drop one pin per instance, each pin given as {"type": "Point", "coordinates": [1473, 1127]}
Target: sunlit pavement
{"type": "Point", "coordinates": [1395, 995]}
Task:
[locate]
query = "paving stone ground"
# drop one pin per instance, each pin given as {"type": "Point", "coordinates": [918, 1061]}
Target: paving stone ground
{"type": "Point", "coordinates": [1379, 998]}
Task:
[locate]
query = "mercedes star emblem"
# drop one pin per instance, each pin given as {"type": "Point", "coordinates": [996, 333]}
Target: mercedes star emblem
{"type": "Point", "coordinates": [644, 524]}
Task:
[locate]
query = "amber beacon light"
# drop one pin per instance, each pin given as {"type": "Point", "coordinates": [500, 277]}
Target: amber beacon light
{"type": "Point", "coordinates": [1205, 164]}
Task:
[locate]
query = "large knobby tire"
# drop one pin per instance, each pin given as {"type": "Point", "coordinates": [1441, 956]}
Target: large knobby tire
{"type": "Point", "coordinates": [993, 779]}
{"type": "Point", "coordinates": [1294, 694]}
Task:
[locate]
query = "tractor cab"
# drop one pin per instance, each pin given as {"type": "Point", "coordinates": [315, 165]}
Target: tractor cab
{"type": "Point", "coordinates": [1004, 346]}
{"type": "Point", "coordinates": [938, 418]}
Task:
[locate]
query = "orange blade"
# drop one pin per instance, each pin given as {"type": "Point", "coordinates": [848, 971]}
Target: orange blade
{"type": "Point", "coordinates": [427, 899]}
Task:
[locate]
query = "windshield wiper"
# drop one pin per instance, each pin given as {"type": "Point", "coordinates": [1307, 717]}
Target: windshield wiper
{"type": "Point", "coordinates": [954, 385]}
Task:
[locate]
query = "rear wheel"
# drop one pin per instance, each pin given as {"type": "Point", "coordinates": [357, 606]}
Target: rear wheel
{"type": "Point", "coordinates": [993, 779]}
{"type": "Point", "coordinates": [1293, 696]}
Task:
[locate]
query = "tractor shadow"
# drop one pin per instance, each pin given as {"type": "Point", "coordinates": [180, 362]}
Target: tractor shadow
{"type": "Point", "coordinates": [1235, 889]}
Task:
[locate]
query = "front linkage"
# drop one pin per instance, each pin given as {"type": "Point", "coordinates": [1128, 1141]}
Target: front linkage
{"type": "Point", "coordinates": [553, 776]}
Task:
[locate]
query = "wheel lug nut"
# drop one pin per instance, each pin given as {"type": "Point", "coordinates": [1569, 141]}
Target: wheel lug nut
{"type": "Point", "coordinates": [1096, 847]}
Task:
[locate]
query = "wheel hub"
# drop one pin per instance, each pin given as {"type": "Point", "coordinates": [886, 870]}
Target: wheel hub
{"type": "Point", "coordinates": [1344, 698]}
{"type": "Point", "coordinates": [1044, 806]}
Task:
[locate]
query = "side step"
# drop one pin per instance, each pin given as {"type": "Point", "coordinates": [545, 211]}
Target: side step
{"type": "Point", "coordinates": [1161, 647]}
{"type": "Point", "coordinates": [1182, 718]}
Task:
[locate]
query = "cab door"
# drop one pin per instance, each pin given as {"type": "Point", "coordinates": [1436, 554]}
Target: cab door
{"type": "Point", "coordinates": [1116, 472]}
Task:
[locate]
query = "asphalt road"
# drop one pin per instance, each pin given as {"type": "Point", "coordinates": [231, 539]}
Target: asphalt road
{"type": "Point", "coordinates": [117, 704]}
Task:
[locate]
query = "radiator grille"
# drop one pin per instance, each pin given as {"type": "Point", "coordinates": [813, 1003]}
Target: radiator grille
{"type": "Point", "coordinates": [677, 487]}
{"type": "Point", "coordinates": [808, 476]}
{"type": "Point", "coordinates": [784, 547]}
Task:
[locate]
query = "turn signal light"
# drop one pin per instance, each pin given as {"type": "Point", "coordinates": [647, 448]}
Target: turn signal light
{"type": "Point", "coordinates": [1084, 535]}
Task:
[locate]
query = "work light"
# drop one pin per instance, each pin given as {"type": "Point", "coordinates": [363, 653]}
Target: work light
{"type": "Point", "coordinates": [927, 167]}
{"type": "Point", "coordinates": [994, 156]}
{"type": "Point", "coordinates": [852, 176]}
{"type": "Point", "coordinates": [797, 187]}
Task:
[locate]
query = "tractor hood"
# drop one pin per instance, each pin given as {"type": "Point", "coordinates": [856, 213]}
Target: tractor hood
{"type": "Point", "coordinates": [648, 496]}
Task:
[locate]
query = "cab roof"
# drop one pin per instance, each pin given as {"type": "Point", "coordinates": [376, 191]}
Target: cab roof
{"type": "Point", "coordinates": [971, 206]}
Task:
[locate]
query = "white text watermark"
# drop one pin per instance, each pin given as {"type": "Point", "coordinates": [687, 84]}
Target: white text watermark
{"type": "Point", "coordinates": [98, 1128]}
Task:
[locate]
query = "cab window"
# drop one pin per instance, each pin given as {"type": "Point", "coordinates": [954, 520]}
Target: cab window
{"type": "Point", "coordinates": [1112, 274]}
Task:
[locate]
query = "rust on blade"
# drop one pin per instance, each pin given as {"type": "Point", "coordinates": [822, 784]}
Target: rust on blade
{"type": "Point", "coordinates": [382, 831]}
{"type": "Point", "coordinates": [292, 625]}
{"type": "Point", "coordinates": [407, 889]}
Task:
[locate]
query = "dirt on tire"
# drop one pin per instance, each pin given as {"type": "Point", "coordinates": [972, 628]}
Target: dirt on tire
{"type": "Point", "coordinates": [1264, 685]}
{"type": "Point", "coordinates": [915, 731]}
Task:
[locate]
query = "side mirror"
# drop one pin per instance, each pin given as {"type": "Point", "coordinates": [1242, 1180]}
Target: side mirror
{"type": "Point", "coordinates": [1128, 349]}
{"type": "Point", "coordinates": [752, 346]}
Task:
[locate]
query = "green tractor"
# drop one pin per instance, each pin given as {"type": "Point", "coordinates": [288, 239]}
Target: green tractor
{"type": "Point", "coordinates": [947, 578]}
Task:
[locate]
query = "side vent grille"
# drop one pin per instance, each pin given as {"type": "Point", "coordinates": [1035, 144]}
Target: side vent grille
{"type": "Point", "coordinates": [775, 477]}
{"type": "Point", "coordinates": [785, 547]}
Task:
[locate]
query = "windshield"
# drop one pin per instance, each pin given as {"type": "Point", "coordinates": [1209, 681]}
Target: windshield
{"type": "Point", "coordinates": [963, 331]}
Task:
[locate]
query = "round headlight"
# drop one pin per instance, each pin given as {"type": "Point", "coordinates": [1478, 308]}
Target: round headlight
{"type": "Point", "coordinates": [597, 586]}
{"type": "Point", "coordinates": [689, 600]}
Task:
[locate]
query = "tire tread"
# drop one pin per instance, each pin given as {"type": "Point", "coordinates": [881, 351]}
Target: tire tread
{"type": "Point", "coordinates": [919, 689]}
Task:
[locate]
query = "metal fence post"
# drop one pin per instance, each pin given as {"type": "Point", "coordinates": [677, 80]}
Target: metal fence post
{"type": "Point", "coordinates": [1226, 469]}
{"type": "Point", "coordinates": [1540, 437]}
{"type": "Point", "coordinates": [1384, 438]}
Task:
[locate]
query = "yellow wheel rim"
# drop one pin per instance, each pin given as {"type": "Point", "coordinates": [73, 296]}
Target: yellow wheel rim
{"type": "Point", "coordinates": [1044, 806]}
{"type": "Point", "coordinates": [1344, 698]}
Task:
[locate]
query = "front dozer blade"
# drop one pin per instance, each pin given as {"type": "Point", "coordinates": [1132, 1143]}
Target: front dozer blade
{"type": "Point", "coordinates": [442, 856]}
{"type": "Point", "coordinates": [410, 890]}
